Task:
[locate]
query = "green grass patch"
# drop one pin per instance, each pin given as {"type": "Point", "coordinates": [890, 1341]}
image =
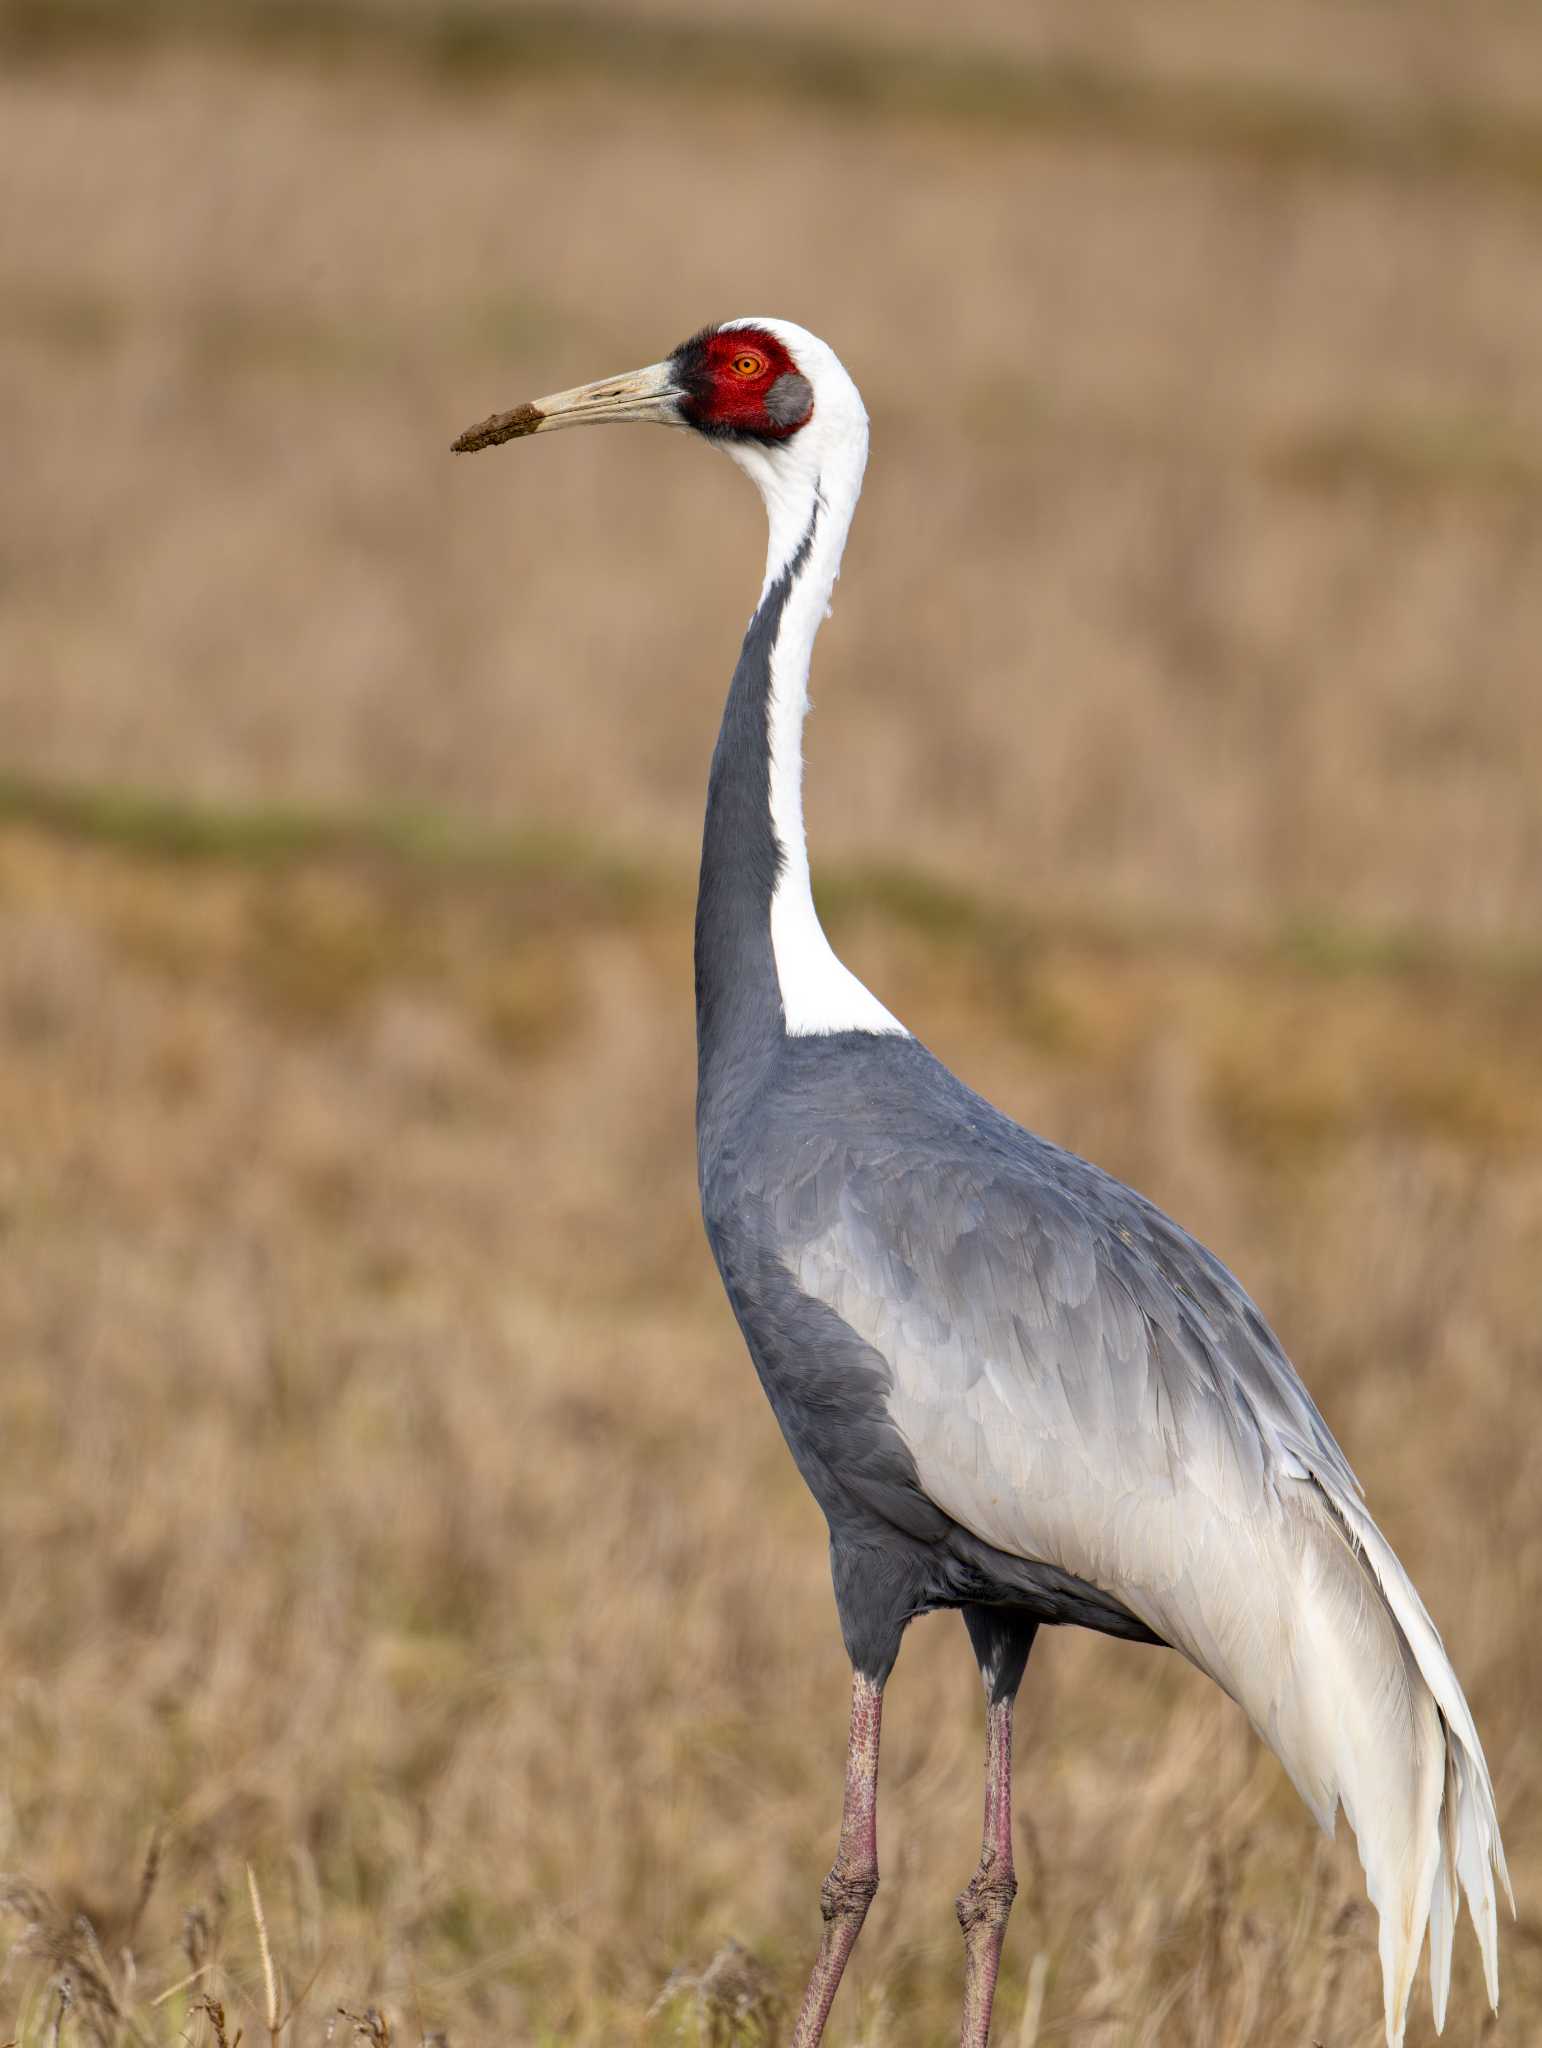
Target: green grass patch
{"type": "Point", "coordinates": [282, 835]}
{"type": "Point", "coordinates": [1410, 457]}
{"type": "Point", "coordinates": [589, 881]}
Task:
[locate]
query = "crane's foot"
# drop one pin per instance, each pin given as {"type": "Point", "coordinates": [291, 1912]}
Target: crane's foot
{"type": "Point", "coordinates": [983, 1906]}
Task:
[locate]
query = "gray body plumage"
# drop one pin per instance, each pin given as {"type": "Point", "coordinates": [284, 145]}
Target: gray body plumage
{"type": "Point", "coordinates": [863, 1173]}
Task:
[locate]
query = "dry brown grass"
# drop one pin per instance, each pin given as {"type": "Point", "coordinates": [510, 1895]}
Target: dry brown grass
{"type": "Point", "coordinates": [394, 1507]}
{"type": "Point", "coordinates": [388, 1504]}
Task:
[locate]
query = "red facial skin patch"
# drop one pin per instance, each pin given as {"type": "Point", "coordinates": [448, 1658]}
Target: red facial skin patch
{"type": "Point", "coordinates": [742, 381]}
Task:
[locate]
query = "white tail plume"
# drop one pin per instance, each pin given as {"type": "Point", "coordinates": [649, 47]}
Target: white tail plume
{"type": "Point", "coordinates": [1366, 1713]}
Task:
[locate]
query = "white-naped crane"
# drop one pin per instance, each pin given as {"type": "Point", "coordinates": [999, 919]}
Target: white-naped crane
{"type": "Point", "coordinates": [1014, 1386]}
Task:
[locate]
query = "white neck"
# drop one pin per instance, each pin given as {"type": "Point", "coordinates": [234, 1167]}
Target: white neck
{"type": "Point", "coordinates": [813, 480]}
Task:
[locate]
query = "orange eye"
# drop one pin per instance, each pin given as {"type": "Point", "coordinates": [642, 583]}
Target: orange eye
{"type": "Point", "coordinates": [748, 365]}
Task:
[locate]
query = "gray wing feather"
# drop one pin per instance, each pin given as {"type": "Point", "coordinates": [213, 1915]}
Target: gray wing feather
{"type": "Point", "coordinates": [1032, 1304]}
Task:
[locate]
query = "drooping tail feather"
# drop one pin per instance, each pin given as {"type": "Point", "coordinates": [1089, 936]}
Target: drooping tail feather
{"type": "Point", "coordinates": [1371, 1716]}
{"type": "Point", "coordinates": [1469, 1849]}
{"type": "Point", "coordinates": [1315, 1629]}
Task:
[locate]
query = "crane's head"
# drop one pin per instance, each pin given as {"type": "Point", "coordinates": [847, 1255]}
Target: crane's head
{"type": "Point", "coordinates": [772, 396]}
{"type": "Point", "coordinates": [752, 386]}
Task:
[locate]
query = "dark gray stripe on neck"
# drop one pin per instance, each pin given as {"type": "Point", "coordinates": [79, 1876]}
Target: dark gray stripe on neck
{"type": "Point", "coordinates": [739, 1015]}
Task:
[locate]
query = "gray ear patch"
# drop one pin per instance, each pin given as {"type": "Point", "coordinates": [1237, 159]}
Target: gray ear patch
{"type": "Point", "coordinates": [790, 399]}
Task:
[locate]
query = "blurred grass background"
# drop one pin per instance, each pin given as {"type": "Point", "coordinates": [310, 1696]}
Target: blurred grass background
{"type": "Point", "coordinates": [388, 1503]}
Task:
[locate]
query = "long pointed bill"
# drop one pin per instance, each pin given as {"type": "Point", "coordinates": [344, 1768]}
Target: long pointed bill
{"type": "Point", "coordinates": [649, 394]}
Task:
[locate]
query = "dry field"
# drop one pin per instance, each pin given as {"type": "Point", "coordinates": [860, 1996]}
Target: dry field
{"type": "Point", "coordinates": [387, 1503]}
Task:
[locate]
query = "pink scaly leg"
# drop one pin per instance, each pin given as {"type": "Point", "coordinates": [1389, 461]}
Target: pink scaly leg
{"type": "Point", "coordinates": [848, 1891]}
{"type": "Point", "coordinates": [985, 1902]}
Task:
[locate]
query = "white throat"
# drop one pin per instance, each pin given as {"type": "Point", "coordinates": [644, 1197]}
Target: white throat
{"type": "Point", "coordinates": [813, 479]}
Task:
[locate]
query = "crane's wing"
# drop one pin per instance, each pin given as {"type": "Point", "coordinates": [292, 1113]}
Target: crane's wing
{"type": "Point", "coordinates": [1082, 1384]}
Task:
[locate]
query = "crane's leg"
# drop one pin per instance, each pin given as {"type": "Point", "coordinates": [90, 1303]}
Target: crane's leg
{"type": "Point", "coordinates": [848, 1891]}
{"type": "Point", "coordinates": [1002, 1639]}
